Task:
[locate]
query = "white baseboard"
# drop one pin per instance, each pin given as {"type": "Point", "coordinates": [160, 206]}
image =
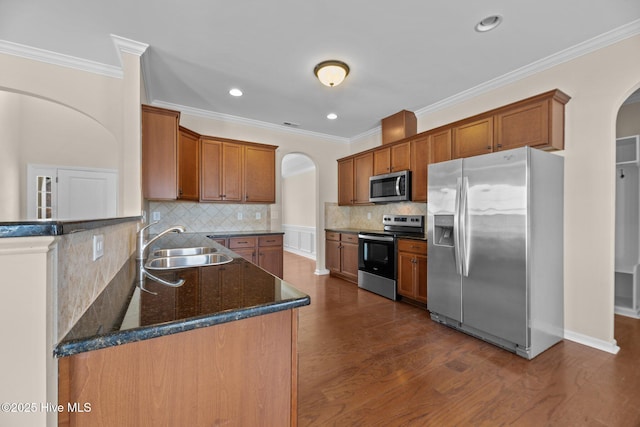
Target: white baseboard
{"type": "Point", "coordinates": [609, 347]}
{"type": "Point", "coordinates": [322, 272]}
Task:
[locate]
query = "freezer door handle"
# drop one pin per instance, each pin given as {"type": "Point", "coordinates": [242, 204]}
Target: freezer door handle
{"type": "Point", "coordinates": [464, 222]}
{"type": "Point", "coordinates": [456, 228]}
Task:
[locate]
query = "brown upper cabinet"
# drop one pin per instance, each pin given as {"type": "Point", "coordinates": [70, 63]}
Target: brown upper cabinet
{"type": "Point", "coordinates": [353, 179]}
{"type": "Point", "coordinates": [220, 171]}
{"type": "Point", "coordinates": [259, 174]}
{"type": "Point", "coordinates": [393, 158]}
{"type": "Point", "coordinates": [159, 153]}
{"type": "Point", "coordinates": [430, 147]}
{"type": "Point", "coordinates": [188, 165]}
{"type": "Point", "coordinates": [535, 122]}
{"type": "Point", "coordinates": [473, 138]}
{"type": "Point", "coordinates": [178, 163]}
{"type": "Point", "coordinates": [236, 171]}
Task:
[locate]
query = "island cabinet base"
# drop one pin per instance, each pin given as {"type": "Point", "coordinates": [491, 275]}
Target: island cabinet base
{"type": "Point", "coordinates": [238, 373]}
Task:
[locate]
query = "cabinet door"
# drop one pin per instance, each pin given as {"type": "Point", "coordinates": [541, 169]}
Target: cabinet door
{"type": "Point", "coordinates": [473, 138]}
{"type": "Point", "coordinates": [400, 157]}
{"type": "Point", "coordinates": [345, 182]}
{"type": "Point", "coordinates": [231, 172]}
{"type": "Point", "coordinates": [363, 170]}
{"type": "Point", "coordinates": [270, 259]}
{"type": "Point", "coordinates": [419, 164]}
{"type": "Point", "coordinates": [440, 146]}
{"type": "Point", "coordinates": [332, 255]}
{"type": "Point", "coordinates": [349, 261]}
{"type": "Point", "coordinates": [259, 175]}
{"type": "Point", "coordinates": [188, 165]}
{"type": "Point", "coordinates": [526, 125]}
{"type": "Point", "coordinates": [159, 153]}
{"type": "Point", "coordinates": [382, 161]}
{"type": "Point", "coordinates": [210, 171]}
{"type": "Point", "coordinates": [406, 274]}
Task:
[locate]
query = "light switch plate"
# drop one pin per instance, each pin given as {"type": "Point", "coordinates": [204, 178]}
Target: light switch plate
{"type": "Point", "coordinates": [98, 246]}
{"type": "Point", "coordinates": [258, 215]}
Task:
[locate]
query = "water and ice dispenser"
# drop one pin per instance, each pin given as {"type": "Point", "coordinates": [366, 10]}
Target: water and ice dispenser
{"type": "Point", "coordinates": [443, 230]}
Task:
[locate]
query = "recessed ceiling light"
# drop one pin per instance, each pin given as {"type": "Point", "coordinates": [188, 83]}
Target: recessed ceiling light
{"type": "Point", "coordinates": [488, 23]}
{"type": "Point", "coordinates": [332, 116]}
{"type": "Point", "coordinates": [235, 92]}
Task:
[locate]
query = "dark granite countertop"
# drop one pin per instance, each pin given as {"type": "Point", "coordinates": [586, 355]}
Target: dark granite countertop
{"type": "Point", "coordinates": [211, 295]}
{"type": "Point", "coordinates": [56, 228]}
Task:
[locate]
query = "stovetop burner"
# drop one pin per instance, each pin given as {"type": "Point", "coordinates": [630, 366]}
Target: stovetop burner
{"type": "Point", "coordinates": [399, 226]}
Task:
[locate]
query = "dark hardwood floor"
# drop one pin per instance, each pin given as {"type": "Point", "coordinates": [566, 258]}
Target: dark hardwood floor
{"type": "Point", "coordinates": [367, 361]}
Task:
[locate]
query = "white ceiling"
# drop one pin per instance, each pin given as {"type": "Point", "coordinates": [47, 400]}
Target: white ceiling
{"type": "Point", "coordinates": [409, 54]}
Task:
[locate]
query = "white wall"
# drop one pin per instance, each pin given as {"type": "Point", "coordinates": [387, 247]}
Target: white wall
{"type": "Point", "coordinates": [93, 119]}
{"type": "Point", "coordinates": [10, 170]}
{"type": "Point", "coordinates": [300, 200]}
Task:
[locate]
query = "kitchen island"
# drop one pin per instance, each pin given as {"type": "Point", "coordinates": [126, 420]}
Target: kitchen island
{"type": "Point", "coordinates": [220, 349]}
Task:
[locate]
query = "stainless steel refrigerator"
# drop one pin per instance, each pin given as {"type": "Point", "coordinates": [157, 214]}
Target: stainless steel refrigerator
{"type": "Point", "coordinates": [495, 248]}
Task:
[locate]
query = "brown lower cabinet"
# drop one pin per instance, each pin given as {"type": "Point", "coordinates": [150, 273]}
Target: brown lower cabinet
{"type": "Point", "coordinates": [264, 251]}
{"type": "Point", "coordinates": [342, 255]}
{"type": "Point", "coordinates": [412, 269]}
{"type": "Point", "coordinates": [238, 373]}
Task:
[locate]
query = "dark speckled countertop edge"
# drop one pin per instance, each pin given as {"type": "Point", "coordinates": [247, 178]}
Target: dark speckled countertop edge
{"type": "Point", "coordinates": [69, 348]}
{"type": "Point", "coordinates": [57, 228]}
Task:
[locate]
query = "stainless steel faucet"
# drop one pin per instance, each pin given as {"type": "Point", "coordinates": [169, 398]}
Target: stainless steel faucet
{"type": "Point", "coordinates": [142, 245]}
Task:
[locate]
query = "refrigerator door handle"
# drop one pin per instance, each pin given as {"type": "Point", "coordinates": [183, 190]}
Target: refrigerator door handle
{"type": "Point", "coordinates": [456, 228]}
{"type": "Point", "coordinates": [464, 221]}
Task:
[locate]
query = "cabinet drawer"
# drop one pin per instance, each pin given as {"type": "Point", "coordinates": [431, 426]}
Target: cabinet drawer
{"type": "Point", "coordinates": [242, 242]}
{"type": "Point", "coordinates": [414, 246]}
{"type": "Point", "coordinates": [351, 238]}
{"type": "Point", "coordinates": [332, 235]}
{"type": "Point", "coordinates": [270, 240]}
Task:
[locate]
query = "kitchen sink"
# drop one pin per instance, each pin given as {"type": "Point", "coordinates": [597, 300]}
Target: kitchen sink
{"type": "Point", "coordinates": [182, 252]}
{"type": "Point", "coordinates": [185, 261]}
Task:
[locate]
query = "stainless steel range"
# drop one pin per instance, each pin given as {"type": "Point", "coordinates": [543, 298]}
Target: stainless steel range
{"type": "Point", "coordinates": [377, 253]}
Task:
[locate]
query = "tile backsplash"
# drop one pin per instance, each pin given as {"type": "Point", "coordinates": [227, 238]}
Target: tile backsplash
{"type": "Point", "coordinates": [358, 216]}
{"type": "Point", "coordinates": [209, 217]}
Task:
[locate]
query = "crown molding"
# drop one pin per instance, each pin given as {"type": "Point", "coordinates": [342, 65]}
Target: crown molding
{"type": "Point", "coordinates": [59, 59]}
{"type": "Point", "coordinates": [133, 47]}
{"type": "Point", "coordinates": [606, 39]}
{"type": "Point", "coordinates": [247, 122]}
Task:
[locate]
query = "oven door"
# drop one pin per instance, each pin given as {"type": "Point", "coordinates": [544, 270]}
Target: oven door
{"type": "Point", "coordinates": [377, 255]}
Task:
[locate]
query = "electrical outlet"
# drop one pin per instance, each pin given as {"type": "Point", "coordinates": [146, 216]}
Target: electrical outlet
{"type": "Point", "coordinates": [258, 215]}
{"type": "Point", "coordinates": [98, 246]}
{"type": "Point", "coordinates": [239, 216]}
{"type": "Point", "coordinates": [368, 215]}
{"type": "Point", "coordinates": [155, 216]}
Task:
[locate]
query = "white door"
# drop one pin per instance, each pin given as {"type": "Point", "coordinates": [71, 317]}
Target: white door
{"type": "Point", "coordinates": [75, 194]}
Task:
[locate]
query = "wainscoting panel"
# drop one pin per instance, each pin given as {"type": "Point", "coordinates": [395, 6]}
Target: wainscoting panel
{"type": "Point", "coordinates": [300, 240]}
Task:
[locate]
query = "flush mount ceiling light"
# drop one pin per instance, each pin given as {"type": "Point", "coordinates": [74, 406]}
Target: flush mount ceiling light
{"type": "Point", "coordinates": [331, 73]}
{"type": "Point", "coordinates": [332, 116]}
{"type": "Point", "coordinates": [235, 92]}
{"type": "Point", "coordinates": [488, 23]}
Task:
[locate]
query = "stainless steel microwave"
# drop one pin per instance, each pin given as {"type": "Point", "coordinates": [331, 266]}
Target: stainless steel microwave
{"type": "Point", "coordinates": [390, 187]}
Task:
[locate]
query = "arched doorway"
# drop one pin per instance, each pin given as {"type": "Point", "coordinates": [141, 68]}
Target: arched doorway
{"type": "Point", "coordinates": [627, 209]}
{"type": "Point", "coordinates": [299, 204]}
